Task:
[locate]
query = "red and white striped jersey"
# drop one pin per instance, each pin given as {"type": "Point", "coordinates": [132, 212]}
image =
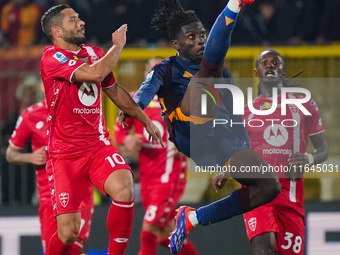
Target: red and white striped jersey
{"type": "Point", "coordinates": [75, 118]}
{"type": "Point", "coordinates": [276, 136]}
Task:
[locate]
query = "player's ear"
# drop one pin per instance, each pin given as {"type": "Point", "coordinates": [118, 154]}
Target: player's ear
{"type": "Point", "coordinates": [175, 44]}
{"type": "Point", "coordinates": [56, 31]}
{"type": "Point", "coordinates": [284, 74]}
{"type": "Point", "coordinates": [256, 73]}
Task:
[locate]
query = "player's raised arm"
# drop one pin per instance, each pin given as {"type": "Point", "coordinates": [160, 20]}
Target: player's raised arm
{"type": "Point", "coordinates": [124, 101]}
{"type": "Point", "coordinates": [96, 73]}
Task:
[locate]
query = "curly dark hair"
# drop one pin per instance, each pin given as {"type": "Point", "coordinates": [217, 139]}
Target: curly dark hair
{"type": "Point", "coordinates": [171, 17]}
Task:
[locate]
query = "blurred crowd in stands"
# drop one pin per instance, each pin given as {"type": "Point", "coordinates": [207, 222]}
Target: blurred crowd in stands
{"type": "Point", "coordinates": [266, 22]}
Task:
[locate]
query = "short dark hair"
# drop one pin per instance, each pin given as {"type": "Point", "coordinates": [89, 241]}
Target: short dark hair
{"type": "Point", "coordinates": [52, 17]}
{"type": "Point", "coordinates": [171, 17]}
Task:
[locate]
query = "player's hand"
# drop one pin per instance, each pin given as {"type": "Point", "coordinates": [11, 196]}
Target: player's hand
{"type": "Point", "coordinates": [122, 116]}
{"type": "Point", "coordinates": [133, 142]}
{"type": "Point", "coordinates": [177, 154]}
{"type": "Point", "coordinates": [38, 157]}
{"type": "Point", "coordinates": [119, 36]}
{"type": "Point", "coordinates": [220, 180]}
{"type": "Point", "coordinates": [154, 133]}
{"type": "Point", "coordinates": [297, 160]}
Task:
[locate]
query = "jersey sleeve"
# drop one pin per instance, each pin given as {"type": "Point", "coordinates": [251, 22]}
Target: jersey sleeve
{"type": "Point", "coordinates": [109, 81]}
{"type": "Point", "coordinates": [59, 66]}
{"type": "Point", "coordinates": [313, 122]}
{"type": "Point", "coordinates": [150, 86]}
{"type": "Point", "coordinates": [21, 133]}
{"type": "Point", "coordinates": [120, 133]}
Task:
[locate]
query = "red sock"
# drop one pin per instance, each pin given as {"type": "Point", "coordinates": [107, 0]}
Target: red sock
{"type": "Point", "coordinates": [57, 247]}
{"type": "Point", "coordinates": [148, 243]}
{"type": "Point", "coordinates": [77, 247]}
{"type": "Point", "coordinates": [119, 225]}
{"type": "Point", "coordinates": [188, 247]}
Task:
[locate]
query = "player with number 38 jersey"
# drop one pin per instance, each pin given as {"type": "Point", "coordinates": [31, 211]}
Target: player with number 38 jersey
{"type": "Point", "coordinates": [281, 139]}
{"type": "Point", "coordinates": [275, 137]}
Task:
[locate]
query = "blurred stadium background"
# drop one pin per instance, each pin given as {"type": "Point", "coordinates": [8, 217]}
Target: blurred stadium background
{"type": "Point", "coordinates": [19, 225]}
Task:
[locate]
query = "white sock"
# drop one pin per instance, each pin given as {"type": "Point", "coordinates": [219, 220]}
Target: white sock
{"type": "Point", "coordinates": [233, 6]}
{"type": "Point", "coordinates": [193, 218]}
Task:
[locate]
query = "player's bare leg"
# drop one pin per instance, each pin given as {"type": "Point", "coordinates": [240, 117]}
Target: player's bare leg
{"type": "Point", "coordinates": [119, 186]}
{"type": "Point", "coordinates": [261, 188]}
{"type": "Point", "coordinates": [62, 241]}
{"type": "Point", "coordinates": [263, 244]}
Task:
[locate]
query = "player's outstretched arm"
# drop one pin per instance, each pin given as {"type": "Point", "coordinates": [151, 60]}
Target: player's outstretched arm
{"type": "Point", "coordinates": [124, 101]}
{"type": "Point", "coordinates": [96, 73]}
{"type": "Point", "coordinates": [14, 155]}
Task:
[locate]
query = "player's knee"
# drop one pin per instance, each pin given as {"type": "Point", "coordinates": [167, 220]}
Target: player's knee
{"type": "Point", "coordinates": [68, 234]}
{"type": "Point", "coordinates": [123, 193]}
{"type": "Point", "coordinates": [272, 188]}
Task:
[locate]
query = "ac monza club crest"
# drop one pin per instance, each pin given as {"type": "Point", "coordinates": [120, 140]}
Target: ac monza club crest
{"type": "Point", "coordinates": [293, 108]}
{"type": "Point", "coordinates": [252, 223]}
{"type": "Point", "coordinates": [64, 198]}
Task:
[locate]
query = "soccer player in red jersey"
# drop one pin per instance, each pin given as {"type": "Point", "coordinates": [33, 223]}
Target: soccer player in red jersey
{"type": "Point", "coordinates": [278, 227]}
{"type": "Point", "coordinates": [162, 178]}
{"type": "Point", "coordinates": [32, 125]}
{"type": "Point", "coordinates": [79, 149]}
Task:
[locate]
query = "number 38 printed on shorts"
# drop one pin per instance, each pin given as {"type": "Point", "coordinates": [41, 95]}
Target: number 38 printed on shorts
{"type": "Point", "coordinates": [292, 242]}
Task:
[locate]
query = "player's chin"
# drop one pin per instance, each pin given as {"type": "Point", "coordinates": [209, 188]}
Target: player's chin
{"type": "Point", "coordinates": [270, 80]}
{"type": "Point", "coordinates": [198, 58]}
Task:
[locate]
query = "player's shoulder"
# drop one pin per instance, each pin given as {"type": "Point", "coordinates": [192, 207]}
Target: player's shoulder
{"type": "Point", "coordinates": [53, 53]}
{"type": "Point", "coordinates": [40, 106]}
{"type": "Point", "coordinates": [157, 70]}
{"type": "Point", "coordinates": [91, 46]}
{"type": "Point", "coordinates": [98, 51]}
{"type": "Point", "coordinates": [311, 101]}
{"type": "Point", "coordinates": [162, 64]}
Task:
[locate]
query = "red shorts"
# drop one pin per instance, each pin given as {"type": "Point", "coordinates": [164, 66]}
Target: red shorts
{"type": "Point", "coordinates": [283, 217]}
{"type": "Point", "coordinates": [48, 223]}
{"type": "Point", "coordinates": [69, 178]}
{"type": "Point", "coordinates": [160, 202]}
